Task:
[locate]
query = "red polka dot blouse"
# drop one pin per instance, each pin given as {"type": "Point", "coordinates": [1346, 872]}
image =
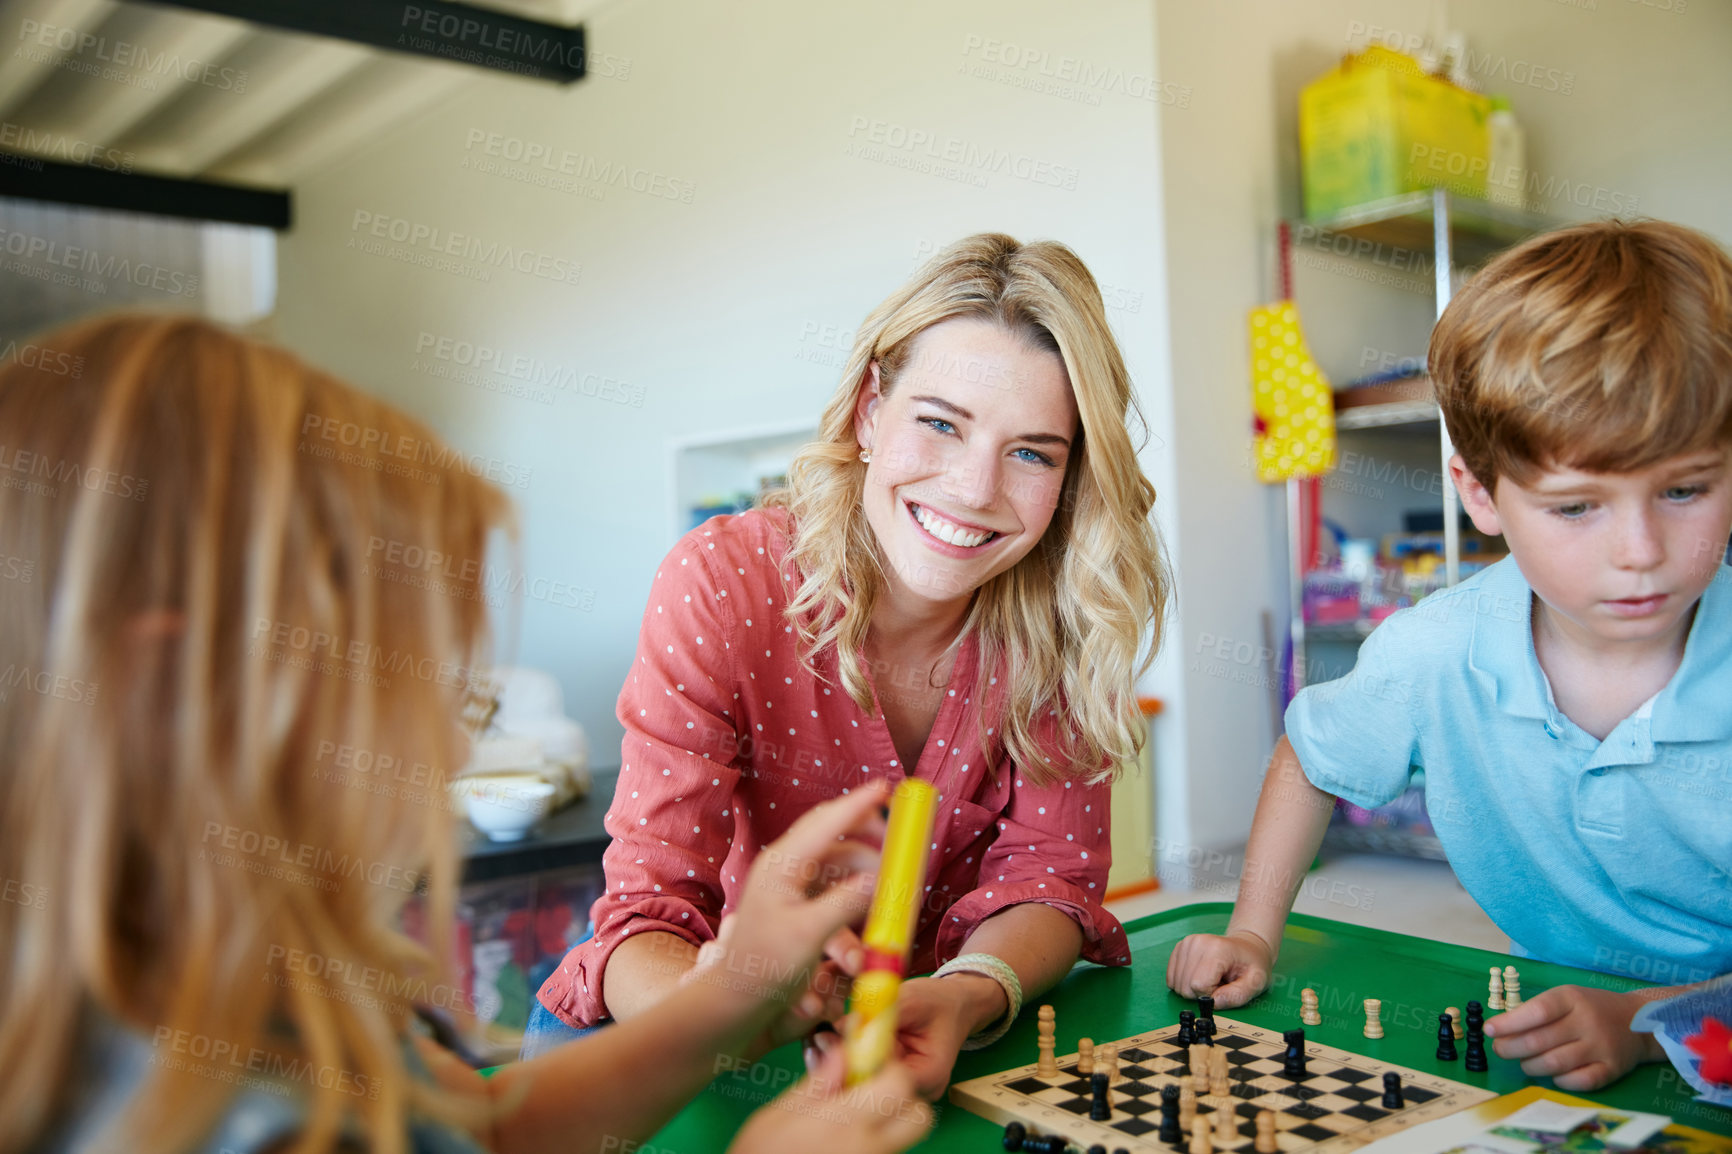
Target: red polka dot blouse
{"type": "Point", "coordinates": [728, 739]}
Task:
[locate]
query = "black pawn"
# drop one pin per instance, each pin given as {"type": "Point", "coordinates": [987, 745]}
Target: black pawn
{"type": "Point", "coordinates": [1170, 1131]}
{"type": "Point", "coordinates": [1293, 1062]}
{"type": "Point", "coordinates": [1187, 1028]}
{"type": "Point", "coordinates": [1013, 1135]}
{"type": "Point", "coordinates": [1392, 1099]}
{"type": "Point", "coordinates": [1206, 1009]}
{"type": "Point", "coordinates": [1097, 1148]}
{"type": "Point", "coordinates": [1046, 1144]}
{"type": "Point", "coordinates": [1445, 1038]}
{"type": "Point", "coordinates": [1099, 1110]}
{"type": "Point", "coordinates": [1205, 1031]}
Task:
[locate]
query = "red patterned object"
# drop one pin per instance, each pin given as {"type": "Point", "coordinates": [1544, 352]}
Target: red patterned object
{"type": "Point", "coordinates": [1714, 1044]}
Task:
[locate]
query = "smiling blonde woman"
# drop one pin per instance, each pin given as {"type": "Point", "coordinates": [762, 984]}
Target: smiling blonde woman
{"type": "Point", "coordinates": [960, 583]}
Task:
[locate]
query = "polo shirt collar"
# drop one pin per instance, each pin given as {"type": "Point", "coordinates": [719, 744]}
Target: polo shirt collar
{"type": "Point", "coordinates": [1502, 647]}
{"type": "Point", "coordinates": [1694, 705]}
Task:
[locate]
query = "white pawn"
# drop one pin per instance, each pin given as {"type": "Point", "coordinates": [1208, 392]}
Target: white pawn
{"type": "Point", "coordinates": [1494, 1001]}
{"type": "Point", "coordinates": [1085, 1057]}
{"type": "Point", "coordinates": [1107, 1062]}
{"type": "Point", "coordinates": [1219, 1084]}
{"type": "Point", "coordinates": [1308, 1012]}
{"type": "Point", "coordinates": [1200, 1143]}
{"type": "Point", "coordinates": [1226, 1126]}
{"type": "Point", "coordinates": [1455, 1027]}
{"type": "Point", "coordinates": [1200, 1068]}
{"type": "Point", "coordinates": [1187, 1105]}
{"type": "Point", "coordinates": [1373, 1018]}
{"type": "Point", "coordinates": [1512, 988]}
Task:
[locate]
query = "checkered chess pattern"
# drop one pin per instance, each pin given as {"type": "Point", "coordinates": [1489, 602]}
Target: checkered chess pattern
{"type": "Point", "coordinates": [1336, 1106]}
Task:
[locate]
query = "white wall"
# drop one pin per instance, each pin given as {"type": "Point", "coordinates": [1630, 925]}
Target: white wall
{"type": "Point", "coordinates": [713, 312]}
{"type": "Point", "coordinates": [1644, 117]}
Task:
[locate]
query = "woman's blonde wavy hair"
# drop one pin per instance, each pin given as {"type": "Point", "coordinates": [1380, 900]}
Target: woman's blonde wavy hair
{"type": "Point", "coordinates": [1068, 621]}
{"type": "Point", "coordinates": [196, 516]}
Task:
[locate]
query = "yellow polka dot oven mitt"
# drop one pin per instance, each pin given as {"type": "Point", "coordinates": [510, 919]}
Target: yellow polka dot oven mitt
{"type": "Point", "coordinates": [1290, 397]}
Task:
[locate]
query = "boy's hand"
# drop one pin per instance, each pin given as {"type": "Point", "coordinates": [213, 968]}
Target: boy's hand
{"type": "Point", "coordinates": [880, 1116]}
{"type": "Point", "coordinates": [803, 889]}
{"type": "Point", "coordinates": [1233, 967]}
{"type": "Point", "coordinates": [1577, 1036]}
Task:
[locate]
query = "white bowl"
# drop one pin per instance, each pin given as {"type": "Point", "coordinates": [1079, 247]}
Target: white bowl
{"type": "Point", "coordinates": [504, 806]}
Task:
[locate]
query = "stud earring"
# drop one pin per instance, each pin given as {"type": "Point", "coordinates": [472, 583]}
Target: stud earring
{"type": "Point", "coordinates": [866, 456]}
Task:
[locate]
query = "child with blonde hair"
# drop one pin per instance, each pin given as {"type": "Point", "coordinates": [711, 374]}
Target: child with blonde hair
{"type": "Point", "coordinates": [191, 616]}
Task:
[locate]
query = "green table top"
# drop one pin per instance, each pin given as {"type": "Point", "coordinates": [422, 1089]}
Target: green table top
{"type": "Point", "coordinates": [1415, 978]}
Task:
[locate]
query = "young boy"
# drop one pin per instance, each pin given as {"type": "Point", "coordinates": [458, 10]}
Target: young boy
{"type": "Point", "coordinates": [1571, 706]}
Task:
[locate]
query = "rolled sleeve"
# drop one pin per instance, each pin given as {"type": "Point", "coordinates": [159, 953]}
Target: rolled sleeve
{"type": "Point", "coordinates": [1356, 736]}
{"type": "Point", "coordinates": [672, 820]}
{"type": "Point", "coordinates": [1053, 847]}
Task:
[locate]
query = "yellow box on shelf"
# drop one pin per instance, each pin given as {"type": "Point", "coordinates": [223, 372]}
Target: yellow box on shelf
{"type": "Point", "coordinates": [1378, 125]}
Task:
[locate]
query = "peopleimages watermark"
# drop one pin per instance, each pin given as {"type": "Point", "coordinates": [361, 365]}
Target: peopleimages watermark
{"type": "Point", "coordinates": [402, 454]}
{"type": "Point", "coordinates": [462, 254]}
{"type": "Point", "coordinates": [1066, 77]}
{"type": "Point", "coordinates": [221, 843]}
{"type": "Point", "coordinates": [1492, 70]}
{"type": "Point", "coordinates": [66, 149]}
{"type": "Point", "coordinates": [544, 163]}
{"type": "Point", "coordinates": [132, 64]}
{"type": "Point", "coordinates": [352, 657]}
{"type": "Point", "coordinates": [89, 269]}
{"type": "Point", "coordinates": [411, 564]}
{"type": "Point", "coordinates": [41, 474]}
{"type": "Point", "coordinates": [47, 360]}
{"type": "Point", "coordinates": [342, 980]}
{"type": "Point", "coordinates": [495, 369]}
{"type": "Point", "coordinates": [950, 157]}
{"type": "Point", "coordinates": [47, 683]}
{"type": "Point", "coordinates": [250, 1067]}
{"type": "Point", "coordinates": [34, 897]}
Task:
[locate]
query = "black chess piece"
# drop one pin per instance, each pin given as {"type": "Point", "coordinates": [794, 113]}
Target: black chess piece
{"type": "Point", "coordinates": [1097, 1148]}
{"type": "Point", "coordinates": [1014, 1134]}
{"type": "Point", "coordinates": [1205, 1031]}
{"type": "Point", "coordinates": [1392, 1099]}
{"type": "Point", "coordinates": [1170, 1131]}
{"type": "Point", "coordinates": [1293, 1061]}
{"type": "Point", "coordinates": [1475, 1032]}
{"type": "Point", "coordinates": [1187, 1028]}
{"type": "Point", "coordinates": [1445, 1038]}
{"type": "Point", "coordinates": [1206, 1009]}
{"type": "Point", "coordinates": [1045, 1144]}
{"type": "Point", "coordinates": [1099, 1109]}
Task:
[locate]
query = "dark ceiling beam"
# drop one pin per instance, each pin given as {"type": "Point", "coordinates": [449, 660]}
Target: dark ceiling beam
{"type": "Point", "coordinates": [444, 30]}
{"type": "Point", "coordinates": [32, 178]}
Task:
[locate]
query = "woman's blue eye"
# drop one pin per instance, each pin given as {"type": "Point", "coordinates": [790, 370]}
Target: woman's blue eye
{"type": "Point", "coordinates": [1033, 457]}
{"type": "Point", "coordinates": [938, 424]}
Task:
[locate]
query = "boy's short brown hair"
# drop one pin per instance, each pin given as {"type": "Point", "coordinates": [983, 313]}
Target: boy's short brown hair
{"type": "Point", "coordinates": [1605, 347]}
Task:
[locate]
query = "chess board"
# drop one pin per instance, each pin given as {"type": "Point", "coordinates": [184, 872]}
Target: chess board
{"type": "Point", "coordinates": [1336, 1106]}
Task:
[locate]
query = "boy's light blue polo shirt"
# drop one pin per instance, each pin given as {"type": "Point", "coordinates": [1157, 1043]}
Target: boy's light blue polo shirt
{"type": "Point", "coordinates": [1613, 855]}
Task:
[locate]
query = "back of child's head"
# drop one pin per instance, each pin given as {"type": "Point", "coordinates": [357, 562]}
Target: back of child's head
{"type": "Point", "coordinates": [1605, 347]}
{"type": "Point", "coordinates": [195, 636]}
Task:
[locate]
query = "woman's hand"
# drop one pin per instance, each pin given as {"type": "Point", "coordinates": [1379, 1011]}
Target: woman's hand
{"type": "Point", "coordinates": [934, 1016]}
{"type": "Point", "coordinates": [880, 1116]}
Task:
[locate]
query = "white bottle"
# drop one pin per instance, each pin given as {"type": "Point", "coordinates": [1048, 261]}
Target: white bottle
{"type": "Point", "coordinates": [1506, 179]}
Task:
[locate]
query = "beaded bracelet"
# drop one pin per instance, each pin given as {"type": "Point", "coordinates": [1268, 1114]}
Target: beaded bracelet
{"type": "Point", "coordinates": [999, 971]}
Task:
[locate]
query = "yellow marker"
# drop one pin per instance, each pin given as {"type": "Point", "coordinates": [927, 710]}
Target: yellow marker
{"type": "Point", "coordinates": [869, 1031]}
